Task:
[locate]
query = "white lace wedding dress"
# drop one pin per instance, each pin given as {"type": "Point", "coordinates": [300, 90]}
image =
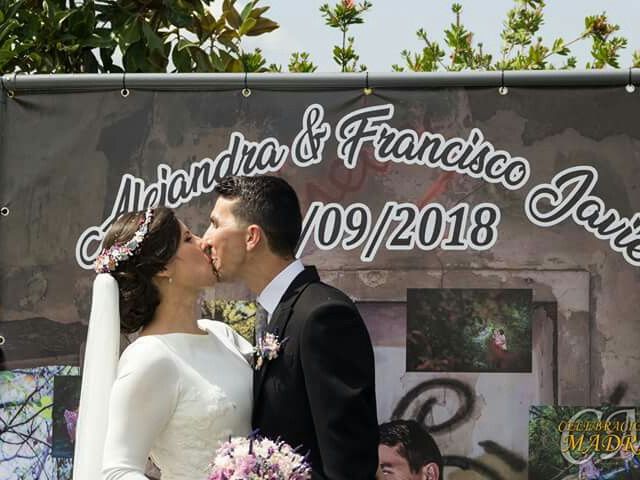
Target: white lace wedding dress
{"type": "Point", "coordinates": [175, 398]}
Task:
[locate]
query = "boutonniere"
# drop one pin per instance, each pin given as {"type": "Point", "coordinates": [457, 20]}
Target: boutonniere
{"type": "Point", "coordinates": [267, 349]}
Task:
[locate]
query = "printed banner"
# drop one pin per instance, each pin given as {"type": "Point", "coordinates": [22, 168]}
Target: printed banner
{"type": "Point", "coordinates": [491, 243]}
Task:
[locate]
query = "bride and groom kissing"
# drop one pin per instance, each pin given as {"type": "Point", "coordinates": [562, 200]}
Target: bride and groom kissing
{"type": "Point", "coordinates": [187, 384]}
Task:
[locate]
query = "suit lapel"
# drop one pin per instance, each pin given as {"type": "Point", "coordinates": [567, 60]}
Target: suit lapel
{"type": "Point", "coordinates": [281, 316]}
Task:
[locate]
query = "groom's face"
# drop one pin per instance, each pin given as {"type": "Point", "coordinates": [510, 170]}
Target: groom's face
{"type": "Point", "coordinates": [226, 237]}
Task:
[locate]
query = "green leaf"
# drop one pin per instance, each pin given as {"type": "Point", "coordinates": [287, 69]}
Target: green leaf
{"type": "Point", "coordinates": [154, 42]}
{"type": "Point", "coordinates": [246, 10]}
{"type": "Point", "coordinates": [235, 66]}
{"type": "Point", "coordinates": [218, 64]}
{"type": "Point", "coordinates": [134, 58]}
{"type": "Point", "coordinates": [257, 12]}
{"type": "Point", "coordinates": [203, 63]}
{"type": "Point", "coordinates": [106, 56]}
{"type": "Point", "coordinates": [247, 25]}
{"type": "Point", "coordinates": [263, 25]}
{"type": "Point", "coordinates": [226, 59]}
{"type": "Point", "coordinates": [132, 32]}
{"type": "Point", "coordinates": [227, 39]}
{"type": "Point", "coordinates": [7, 28]}
{"type": "Point", "coordinates": [208, 24]}
{"type": "Point", "coordinates": [49, 9]}
{"type": "Point", "coordinates": [97, 41]}
{"type": "Point", "coordinates": [182, 44]}
{"type": "Point", "coordinates": [63, 16]}
{"type": "Point", "coordinates": [231, 14]}
{"type": "Point", "coordinates": [181, 59]}
{"type": "Point", "coordinates": [178, 15]}
{"type": "Point", "coordinates": [89, 62]}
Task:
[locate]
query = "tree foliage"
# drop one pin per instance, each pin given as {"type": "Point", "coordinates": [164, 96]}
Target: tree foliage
{"type": "Point", "coordinates": [70, 36]}
{"type": "Point", "coordinates": [522, 47]}
{"type": "Point", "coordinates": [342, 16]}
{"type": "Point", "coordinates": [56, 36]}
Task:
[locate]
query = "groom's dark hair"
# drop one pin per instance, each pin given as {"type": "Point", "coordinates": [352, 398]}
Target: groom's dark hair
{"type": "Point", "coordinates": [269, 202]}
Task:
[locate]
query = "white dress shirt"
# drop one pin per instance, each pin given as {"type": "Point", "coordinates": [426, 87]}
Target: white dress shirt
{"type": "Point", "coordinates": [270, 297]}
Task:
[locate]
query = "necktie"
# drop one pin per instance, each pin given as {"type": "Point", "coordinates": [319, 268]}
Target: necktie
{"type": "Point", "coordinates": [260, 322]}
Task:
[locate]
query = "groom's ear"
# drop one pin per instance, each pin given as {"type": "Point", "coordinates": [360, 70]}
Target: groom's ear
{"type": "Point", "coordinates": [255, 235]}
{"type": "Point", "coordinates": [430, 471]}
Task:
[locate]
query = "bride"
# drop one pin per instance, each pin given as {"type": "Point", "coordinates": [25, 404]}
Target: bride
{"type": "Point", "coordinates": [183, 385]}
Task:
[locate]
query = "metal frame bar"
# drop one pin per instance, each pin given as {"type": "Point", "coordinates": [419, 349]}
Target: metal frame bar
{"type": "Point", "coordinates": [317, 81]}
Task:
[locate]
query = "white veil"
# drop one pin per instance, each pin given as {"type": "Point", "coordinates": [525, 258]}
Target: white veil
{"type": "Point", "coordinates": [98, 374]}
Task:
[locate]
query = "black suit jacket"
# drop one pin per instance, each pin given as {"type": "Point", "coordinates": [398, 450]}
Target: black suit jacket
{"type": "Point", "coordinates": [320, 391]}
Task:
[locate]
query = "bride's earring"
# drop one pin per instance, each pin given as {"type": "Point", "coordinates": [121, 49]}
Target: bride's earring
{"type": "Point", "coordinates": [170, 280]}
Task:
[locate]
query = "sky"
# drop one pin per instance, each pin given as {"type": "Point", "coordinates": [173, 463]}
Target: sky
{"type": "Point", "coordinates": [390, 27]}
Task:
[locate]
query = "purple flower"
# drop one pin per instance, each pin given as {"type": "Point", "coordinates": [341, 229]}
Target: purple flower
{"type": "Point", "coordinates": [71, 420]}
{"type": "Point", "coordinates": [258, 458]}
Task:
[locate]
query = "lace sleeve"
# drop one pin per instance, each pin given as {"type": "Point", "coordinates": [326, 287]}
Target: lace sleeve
{"type": "Point", "coordinates": [143, 398]}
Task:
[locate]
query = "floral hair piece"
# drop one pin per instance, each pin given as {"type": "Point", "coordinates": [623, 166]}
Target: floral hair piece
{"type": "Point", "coordinates": [109, 258]}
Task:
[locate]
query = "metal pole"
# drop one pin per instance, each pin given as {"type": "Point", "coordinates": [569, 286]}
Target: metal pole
{"type": "Point", "coordinates": [22, 83]}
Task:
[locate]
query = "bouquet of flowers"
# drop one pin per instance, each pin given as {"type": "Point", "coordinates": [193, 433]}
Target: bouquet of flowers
{"type": "Point", "coordinates": [258, 458]}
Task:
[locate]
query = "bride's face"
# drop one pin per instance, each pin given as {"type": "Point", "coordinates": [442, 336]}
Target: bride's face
{"type": "Point", "coordinates": [190, 267]}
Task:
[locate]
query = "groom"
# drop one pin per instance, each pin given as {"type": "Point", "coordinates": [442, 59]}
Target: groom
{"type": "Point", "coordinates": [319, 392]}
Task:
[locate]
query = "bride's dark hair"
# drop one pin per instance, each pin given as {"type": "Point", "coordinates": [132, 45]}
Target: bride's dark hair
{"type": "Point", "coordinates": [139, 297]}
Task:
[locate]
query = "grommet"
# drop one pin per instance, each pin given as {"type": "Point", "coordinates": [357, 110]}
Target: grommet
{"type": "Point", "coordinates": [2, 340]}
{"type": "Point", "coordinates": [124, 91]}
{"type": "Point", "coordinates": [11, 93]}
{"type": "Point", "coordinates": [4, 211]}
{"type": "Point", "coordinates": [630, 87]}
{"type": "Point", "coordinates": [367, 89]}
{"type": "Point", "coordinates": [502, 90]}
{"type": "Point", "coordinates": [246, 91]}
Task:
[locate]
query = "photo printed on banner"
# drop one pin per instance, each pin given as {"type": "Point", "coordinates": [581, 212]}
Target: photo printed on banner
{"type": "Point", "coordinates": [26, 416]}
{"type": "Point", "coordinates": [456, 409]}
{"type": "Point", "coordinates": [469, 330]}
{"type": "Point", "coordinates": [66, 400]}
{"type": "Point", "coordinates": [586, 443]}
